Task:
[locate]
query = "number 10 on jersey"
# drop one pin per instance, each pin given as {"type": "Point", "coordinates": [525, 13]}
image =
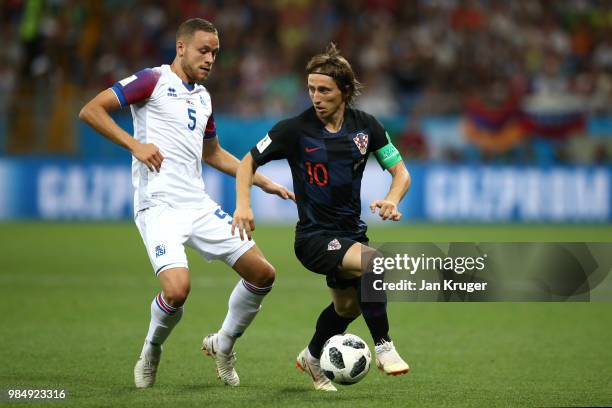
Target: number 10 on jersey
{"type": "Point", "coordinates": [317, 173]}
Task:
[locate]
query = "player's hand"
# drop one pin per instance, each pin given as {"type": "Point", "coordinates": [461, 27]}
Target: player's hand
{"type": "Point", "coordinates": [244, 221]}
{"type": "Point", "coordinates": [149, 154]}
{"type": "Point", "coordinates": [279, 190]}
{"type": "Point", "coordinates": [388, 210]}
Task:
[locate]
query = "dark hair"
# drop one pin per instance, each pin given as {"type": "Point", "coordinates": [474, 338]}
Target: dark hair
{"type": "Point", "coordinates": [332, 64]}
{"type": "Point", "coordinates": [187, 28]}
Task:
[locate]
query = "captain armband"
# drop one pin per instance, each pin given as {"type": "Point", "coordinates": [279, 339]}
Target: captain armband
{"type": "Point", "coordinates": [387, 156]}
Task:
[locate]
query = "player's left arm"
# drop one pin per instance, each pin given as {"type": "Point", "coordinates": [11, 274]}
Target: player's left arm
{"type": "Point", "coordinates": [216, 156]}
{"type": "Point", "coordinates": [399, 186]}
{"type": "Point", "coordinates": [389, 159]}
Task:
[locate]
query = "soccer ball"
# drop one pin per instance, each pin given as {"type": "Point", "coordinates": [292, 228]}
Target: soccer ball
{"type": "Point", "coordinates": [345, 359]}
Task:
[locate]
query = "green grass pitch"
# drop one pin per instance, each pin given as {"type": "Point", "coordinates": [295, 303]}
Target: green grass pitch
{"type": "Point", "coordinates": [75, 309]}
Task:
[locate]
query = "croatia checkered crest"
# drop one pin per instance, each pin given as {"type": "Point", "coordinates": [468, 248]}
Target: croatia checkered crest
{"type": "Point", "coordinates": [361, 140]}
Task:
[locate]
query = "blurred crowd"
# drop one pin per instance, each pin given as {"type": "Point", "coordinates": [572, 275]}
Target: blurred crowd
{"type": "Point", "coordinates": [417, 58]}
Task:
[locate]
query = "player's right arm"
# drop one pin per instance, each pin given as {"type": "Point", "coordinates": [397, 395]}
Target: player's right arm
{"type": "Point", "coordinates": [277, 144]}
{"type": "Point", "coordinates": [244, 219]}
{"type": "Point", "coordinates": [96, 113]}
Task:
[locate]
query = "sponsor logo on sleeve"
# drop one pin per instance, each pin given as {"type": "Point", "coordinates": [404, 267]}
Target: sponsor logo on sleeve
{"type": "Point", "coordinates": [263, 144]}
{"type": "Point", "coordinates": [127, 80]}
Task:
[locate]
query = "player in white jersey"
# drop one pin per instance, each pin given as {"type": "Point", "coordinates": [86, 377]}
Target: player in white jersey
{"type": "Point", "coordinates": [174, 130]}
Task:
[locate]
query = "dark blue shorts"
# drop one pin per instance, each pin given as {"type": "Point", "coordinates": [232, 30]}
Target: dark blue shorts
{"type": "Point", "coordinates": [323, 254]}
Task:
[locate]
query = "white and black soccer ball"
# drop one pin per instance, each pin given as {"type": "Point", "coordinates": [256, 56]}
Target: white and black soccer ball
{"type": "Point", "coordinates": [345, 359]}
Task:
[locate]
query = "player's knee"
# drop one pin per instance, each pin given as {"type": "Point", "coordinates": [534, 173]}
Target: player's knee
{"type": "Point", "coordinates": [177, 294]}
{"type": "Point", "coordinates": [265, 275]}
{"type": "Point", "coordinates": [371, 259]}
{"type": "Point", "coordinates": [268, 275]}
{"type": "Point", "coordinates": [347, 308]}
{"type": "Point", "coordinates": [349, 274]}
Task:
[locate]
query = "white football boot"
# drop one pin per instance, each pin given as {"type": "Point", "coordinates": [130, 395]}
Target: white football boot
{"type": "Point", "coordinates": [225, 362]}
{"type": "Point", "coordinates": [308, 364]}
{"type": "Point", "coordinates": [389, 361]}
{"type": "Point", "coordinates": [145, 369]}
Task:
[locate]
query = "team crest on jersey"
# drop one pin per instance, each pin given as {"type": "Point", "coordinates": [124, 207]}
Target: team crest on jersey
{"type": "Point", "coordinates": [334, 245]}
{"type": "Point", "coordinates": [160, 250]}
{"type": "Point", "coordinates": [361, 140]}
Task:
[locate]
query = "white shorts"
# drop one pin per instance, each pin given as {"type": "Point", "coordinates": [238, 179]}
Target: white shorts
{"type": "Point", "coordinates": [166, 230]}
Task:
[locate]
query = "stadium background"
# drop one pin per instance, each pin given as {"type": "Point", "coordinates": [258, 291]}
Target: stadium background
{"type": "Point", "coordinates": [502, 110]}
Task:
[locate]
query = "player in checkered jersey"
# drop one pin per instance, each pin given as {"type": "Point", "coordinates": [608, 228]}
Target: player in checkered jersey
{"type": "Point", "coordinates": [327, 147]}
{"type": "Point", "coordinates": [174, 130]}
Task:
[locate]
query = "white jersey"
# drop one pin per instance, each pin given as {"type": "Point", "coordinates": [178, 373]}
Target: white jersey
{"type": "Point", "coordinates": [176, 117]}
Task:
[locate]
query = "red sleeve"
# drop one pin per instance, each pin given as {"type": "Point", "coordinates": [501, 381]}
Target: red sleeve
{"type": "Point", "coordinates": [137, 87]}
{"type": "Point", "coordinates": [211, 128]}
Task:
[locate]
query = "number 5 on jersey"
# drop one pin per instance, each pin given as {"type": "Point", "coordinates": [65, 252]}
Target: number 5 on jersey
{"type": "Point", "coordinates": [192, 119]}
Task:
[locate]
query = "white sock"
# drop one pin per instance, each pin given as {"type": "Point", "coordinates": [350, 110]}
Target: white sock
{"type": "Point", "coordinates": [151, 351]}
{"type": "Point", "coordinates": [163, 319]}
{"type": "Point", "coordinates": [244, 303]}
{"type": "Point", "coordinates": [225, 342]}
